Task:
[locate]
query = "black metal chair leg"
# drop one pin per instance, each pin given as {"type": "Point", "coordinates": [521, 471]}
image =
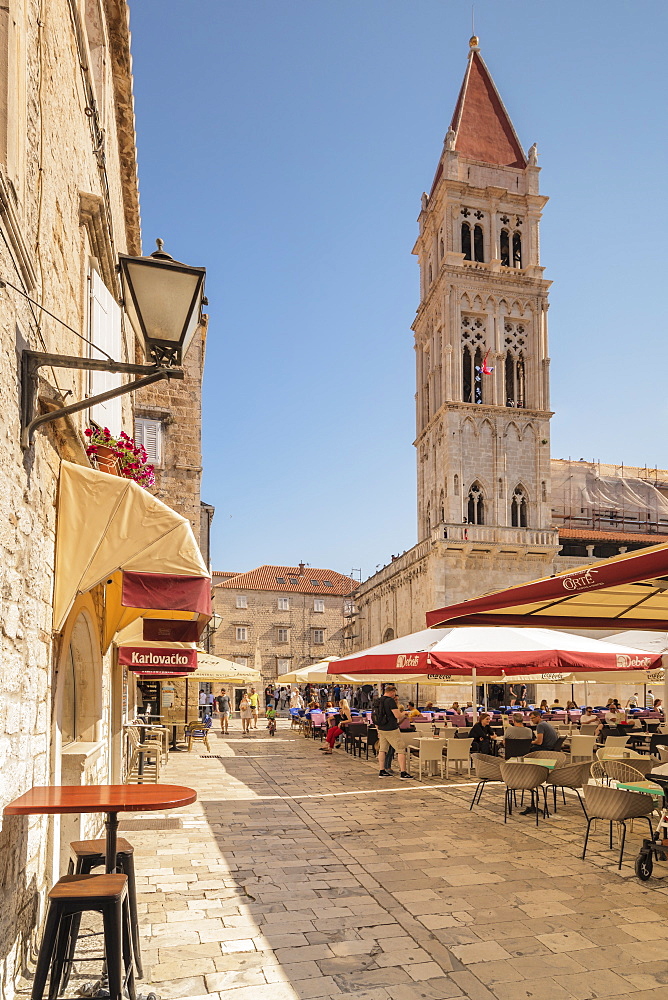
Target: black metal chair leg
{"type": "Point", "coordinates": [621, 852]}
{"type": "Point", "coordinates": [554, 798]}
{"type": "Point", "coordinates": [577, 792]}
{"type": "Point", "coordinates": [584, 849]}
{"type": "Point", "coordinates": [475, 794]}
{"type": "Point", "coordinates": [128, 949]}
{"type": "Point", "coordinates": [505, 806]}
{"type": "Point", "coordinates": [610, 834]}
{"type": "Point", "coordinates": [534, 802]}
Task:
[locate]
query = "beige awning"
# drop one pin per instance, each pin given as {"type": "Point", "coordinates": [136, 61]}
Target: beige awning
{"type": "Point", "coordinates": [111, 531]}
{"type": "Point", "coordinates": [216, 668]}
{"type": "Point", "coordinates": [314, 673]}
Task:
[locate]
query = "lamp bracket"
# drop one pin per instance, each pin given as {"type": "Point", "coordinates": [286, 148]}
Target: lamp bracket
{"type": "Point", "coordinates": [32, 361]}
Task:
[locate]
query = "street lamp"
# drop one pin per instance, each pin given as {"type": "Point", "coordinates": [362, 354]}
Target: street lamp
{"type": "Point", "coordinates": [163, 300]}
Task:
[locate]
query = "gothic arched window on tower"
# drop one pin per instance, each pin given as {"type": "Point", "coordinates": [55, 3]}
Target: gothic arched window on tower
{"type": "Point", "coordinates": [476, 505]}
{"type": "Point", "coordinates": [520, 380]}
{"type": "Point", "coordinates": [466, 240]}
{"type": "Point", "coordinates": [505, 248]}
{"type": "Point", "coordinates": [478, 244]}
{"type": "Point", "coordinates": [517, 249]}
{"type": "Point", "coordinates": [467, 375]}
{"type": "Point", "coordinates": [427, 520]}
{"type": "Point", "coordinates": [518, 508]}
{"type": "Point", "coordinates": [456, 485]}
{"type": "Point", "coordinates": [477, 381]}
{"type": "Point", "coordinates": [510, 379]}
{"type": "Point", "coordinates": [431, 274]}
{"type": "Point", "coordinates": [442, 505]}
{"type": "Point", "coordinates": [442, 248]}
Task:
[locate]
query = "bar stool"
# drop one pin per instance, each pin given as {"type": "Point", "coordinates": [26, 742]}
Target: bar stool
{"type": "Point", "coordinates": [71, 896]}
{"type": "Point", "coordinates": [90, 854]}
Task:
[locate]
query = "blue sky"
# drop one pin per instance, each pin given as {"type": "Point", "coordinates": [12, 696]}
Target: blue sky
{"type": "Point", "coordinates": [284, 144]}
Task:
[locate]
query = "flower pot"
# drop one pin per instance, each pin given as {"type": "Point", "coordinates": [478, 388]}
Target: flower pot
{"type": "Point", "coordinates": [105, 460]}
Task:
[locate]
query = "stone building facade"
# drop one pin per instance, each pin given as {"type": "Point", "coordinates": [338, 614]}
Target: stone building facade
{"type": "Point", "coordinates": [69, 204]}
{"type": "Point", "coordinates": [280, 618]}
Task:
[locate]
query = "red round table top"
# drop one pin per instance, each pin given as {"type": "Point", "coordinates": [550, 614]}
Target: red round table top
{"type": "Point", "coordinates": [99, 798]}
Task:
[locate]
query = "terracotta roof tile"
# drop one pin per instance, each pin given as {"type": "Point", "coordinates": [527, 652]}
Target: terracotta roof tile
{"type": "Point", "coordinates": [279, 578]}
{"type": "Point", "coordinates": [611, 536]}
{"type": "Point", "coordinates": [482, 125]}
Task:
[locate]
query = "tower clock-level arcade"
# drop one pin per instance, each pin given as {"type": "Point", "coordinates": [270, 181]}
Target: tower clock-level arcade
{"type": "Point", "coordinates": [482, 400]}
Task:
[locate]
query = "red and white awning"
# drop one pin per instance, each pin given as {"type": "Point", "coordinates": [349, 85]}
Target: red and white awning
{"type": "Point", "coordinates": [494, 653]}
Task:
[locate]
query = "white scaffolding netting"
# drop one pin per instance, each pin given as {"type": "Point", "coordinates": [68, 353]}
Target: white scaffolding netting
{"type": "Point", "coordinates": [580, 493]}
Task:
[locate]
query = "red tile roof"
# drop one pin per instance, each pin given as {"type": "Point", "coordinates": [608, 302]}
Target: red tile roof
{"type": "Point", "coordinates": [594, 535]}
{"type": "Point", "coordinates": [482, 125]}
{"type": "Point", "coordinates": [267, 578]}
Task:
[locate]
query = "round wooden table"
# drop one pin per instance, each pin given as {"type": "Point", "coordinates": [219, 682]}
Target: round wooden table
{"type": "Point", "coordinates": [108, 799]}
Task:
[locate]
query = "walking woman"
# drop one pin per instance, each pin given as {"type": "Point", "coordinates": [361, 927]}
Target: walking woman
{"type": "Point", "coordinates": [246, 713]}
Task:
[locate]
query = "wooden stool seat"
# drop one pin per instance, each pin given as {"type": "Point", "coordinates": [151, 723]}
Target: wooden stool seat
{"type": "Point", "coordinates": [82, 848]}
{"type": "Point", "coordinates": [89, 888]}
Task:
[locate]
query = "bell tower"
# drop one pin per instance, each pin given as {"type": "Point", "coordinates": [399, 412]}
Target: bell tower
{"type": "Point", "coordinates": [482, 400]}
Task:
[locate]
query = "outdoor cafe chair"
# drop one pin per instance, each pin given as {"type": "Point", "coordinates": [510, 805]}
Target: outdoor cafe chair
{"type": "Point", "coordinates": [616, 742]}
{"type": "Point", "coordinates": [487, 768]}
{"type": "Point", "coordinates": [318, 725]}
{"type": "Point", "coordinates": [617, 770]}
{"type": "Point", "coordinates": [589, 730]}
{"type": "Point", "coordinates": [525, 777]}
{"type": "Point", "coordinates": [572, 776]}
{"type": "Point", "coordinates": [198, 731]}
{"type": "Point", "coordinates": [456, 752]}
{"type": "Point", "coordinates": [616, 805]}
{"type": "Point", "coordinates": [556, 755]}
{"type": "Point", "coordinates": [428, 751]}
{"type": "Point", "coordinates": [147, 753]}
{"type": "Point", "coordinates": [582, 747]}
{"type": "Point", "coordinates": [517, 748]}
{"type": "Point", "coordinates": [354, 733]}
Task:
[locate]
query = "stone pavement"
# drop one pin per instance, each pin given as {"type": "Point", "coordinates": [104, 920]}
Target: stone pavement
{"type": "Point", "coordinates": [298, 875]}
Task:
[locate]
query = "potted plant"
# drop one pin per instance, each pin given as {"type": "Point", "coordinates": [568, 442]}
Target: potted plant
{"type": "Point", "coordinates": [120, 456]}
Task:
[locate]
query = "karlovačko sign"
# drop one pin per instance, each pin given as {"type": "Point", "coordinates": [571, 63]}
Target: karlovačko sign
{"type": "Point", "coordinates": [142, 659]}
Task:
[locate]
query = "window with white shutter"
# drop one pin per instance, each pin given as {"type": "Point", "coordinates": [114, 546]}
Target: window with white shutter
{"type": "Point", "coordinates": [149, 433]}
{"type": "Point", "coordinates": [105, 332]}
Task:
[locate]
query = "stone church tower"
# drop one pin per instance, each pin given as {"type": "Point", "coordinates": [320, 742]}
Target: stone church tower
{"type": "Point", "coordinates": [481, 327]}
{"type": "Point", "coordinates": [482, 401]}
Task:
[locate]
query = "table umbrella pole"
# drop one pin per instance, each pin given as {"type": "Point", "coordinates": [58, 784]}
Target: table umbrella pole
{"type": "Point", "coordinates": [475, 695]}
{"type": "Point", "coordinates": [664, 664]}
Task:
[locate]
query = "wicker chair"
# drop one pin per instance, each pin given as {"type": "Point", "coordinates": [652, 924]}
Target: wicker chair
{"type": "Point", "coordinates": [615, 805]}
{"type": "Point", "coordinates": [556, 755]}
{"type": "Point", "coordinates": [618, 770]}
{"type": "Point", "coordinates": [519, 776]}
{"type": "Point", "coordinates": [569, 776]}
{"type": "Point", "coordinates": [487, 768]}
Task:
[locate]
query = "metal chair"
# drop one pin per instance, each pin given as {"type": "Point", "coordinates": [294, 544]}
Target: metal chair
{"type": "Point", "coordinates": [616, 805]}
{"type": "Point", "coordinates": [519, 776]}
{"type": "Point", "coordinates": [487, 768]}
{"type": "Point", "coordinates": [572, 776]}
{"type": "Point", "coordinates": [556, 755]}
{"type": "Point", "coordinates": [198, 731]}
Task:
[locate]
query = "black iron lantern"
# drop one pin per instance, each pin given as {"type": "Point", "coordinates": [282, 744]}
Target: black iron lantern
{"type": "Point", "coordinates": [163, 300]}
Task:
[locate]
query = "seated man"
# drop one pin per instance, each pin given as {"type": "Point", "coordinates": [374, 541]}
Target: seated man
{"type": "Point", "coordinates": [412, 711]}
{"type": "Point", "coordinates": [546, 737]}
{"type": "Point", "coordinates": [517, 737]}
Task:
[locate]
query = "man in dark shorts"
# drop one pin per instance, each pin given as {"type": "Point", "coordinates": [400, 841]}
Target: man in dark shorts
{"type": "Point", "coordinates": [386, 717]}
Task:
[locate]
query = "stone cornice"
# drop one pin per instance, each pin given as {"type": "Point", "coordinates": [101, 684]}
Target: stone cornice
{"type": "Point", "coordinates": [117, 15]}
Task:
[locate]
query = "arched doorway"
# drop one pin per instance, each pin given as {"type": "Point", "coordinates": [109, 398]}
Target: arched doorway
{"type": "Point", "coordinates": [388, 634]}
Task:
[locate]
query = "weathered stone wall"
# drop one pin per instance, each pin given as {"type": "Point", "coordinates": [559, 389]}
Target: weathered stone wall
{"type": "Point", "coordinates": [178, 405]}
{"type": "Point", "coordinates": [55, 215]}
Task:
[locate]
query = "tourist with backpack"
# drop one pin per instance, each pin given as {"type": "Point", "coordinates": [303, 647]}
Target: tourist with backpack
{"type": "Point", "coordinates": [386, 716]}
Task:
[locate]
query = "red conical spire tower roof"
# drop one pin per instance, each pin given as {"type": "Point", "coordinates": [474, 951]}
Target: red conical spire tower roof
{"type": "Point", "coordinates": [482, 125]}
